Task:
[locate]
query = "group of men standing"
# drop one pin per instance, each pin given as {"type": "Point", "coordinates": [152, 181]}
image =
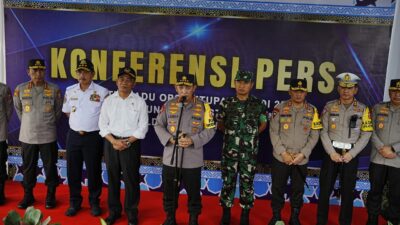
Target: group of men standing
{"type": "Point", "coordinates": [121, 119]}
{"type": "Point", "coordinates": [112, 125]}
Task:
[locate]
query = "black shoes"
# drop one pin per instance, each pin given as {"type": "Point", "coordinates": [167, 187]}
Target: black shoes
{"type": "Point", "coordinates": [110, 220]}
{"type": "Point", "coordinates": [170, 220]}
{"type": "Point", "coordinates": [72, 211]}
{"type": "Point", "coordinates": [2, 195]}
{"type": "Point", "coordinates": [193, 220]}
{"type": "Point", "coordinates": [51, 198]}
{"type": "Point", "coordinates": [244, 217]}
{"type": "Point", "coordinates": [50, 202]}
{"type": "Point", "coordinates": [95, 210]}
{"type": "Point", "coordinates": [372, 220]}
{"type": "Point", "coordinates": [275, 218]}
{"type": "Point", "coordinates": [294, 217]}
{"type": "Point", "coordinates": [27, 201]}
{"type": "Point", "coordinates": [133, 221]}
{"type": "Point", "coordinates": [226, 216]}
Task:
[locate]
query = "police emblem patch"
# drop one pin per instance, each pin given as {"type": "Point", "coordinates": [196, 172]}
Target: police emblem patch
{"type": "Point", "coordinates": [286, 126]}
{"type": "Point", "coordinates": [95, 97]}
{"type": "Point", "coordinates": [27, 108]}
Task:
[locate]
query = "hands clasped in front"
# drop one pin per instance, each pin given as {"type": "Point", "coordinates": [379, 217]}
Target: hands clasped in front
{"type": "Point", "coordinates": [290, 158]}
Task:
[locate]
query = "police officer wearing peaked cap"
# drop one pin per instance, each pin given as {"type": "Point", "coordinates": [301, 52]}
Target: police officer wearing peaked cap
{"type": "Point", "coordinates": [294, 132]}
{"type": "Point", "coordinates": [38, 105]}
{"type": "Point", "coordinates": [347, 127]}
{"type": "Point", "coordinates": [82, 104]}
{"type": "Point", "coordinates": [385, 157]}
{"type": "Point", "coordinates": [197, 128]}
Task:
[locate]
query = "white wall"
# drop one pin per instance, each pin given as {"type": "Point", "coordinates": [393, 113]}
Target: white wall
{"type": "Point", "coordinates": [393, 68]}
{"type": "Point", "coordinates": [2, 45]}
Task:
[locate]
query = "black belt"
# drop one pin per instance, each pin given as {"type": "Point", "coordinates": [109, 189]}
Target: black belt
{"type": "Point", "coordinates": [119, 137]}
{"type": "Point", "coordinates": [84, 133]}
{"type": "Point", "coordinates": [342, 151]}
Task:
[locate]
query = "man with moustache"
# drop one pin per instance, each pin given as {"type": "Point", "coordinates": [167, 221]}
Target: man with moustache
{"type": "Point", "coordinates": [123, 122]}
{"type": "Point", "coordinates": [38, 105]}
{"type": "Point", "coordinates": [6, 108]}
{"type": "Point", "coordinates": [347, 127]}
{"type": "Point", "coordinates": [241, 118]}
{"type": "Point", "coordinates": [385, 157]}
{"type": "Point", "coordinates": [294, 132]}
{"type": "Point", "coordinates": [196, 129]}
{"type": "Point", "coordinates": [82, 104]}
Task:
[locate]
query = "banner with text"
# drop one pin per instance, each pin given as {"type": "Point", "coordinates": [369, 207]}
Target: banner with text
{"type": "Point", "coordinates": [159, 46]}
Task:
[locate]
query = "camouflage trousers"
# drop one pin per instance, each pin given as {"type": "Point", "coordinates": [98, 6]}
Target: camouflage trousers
{"type": "Point", "coordinates": [232, 164]}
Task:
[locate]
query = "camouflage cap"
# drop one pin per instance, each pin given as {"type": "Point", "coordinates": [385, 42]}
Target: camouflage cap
{"type": "Point", "coordinates": [298, 85]}
{"type": "Point", "coordinates": [244, 76]}
{"type": "Point", "coordinates": [394, 85]}
{"type": "Point", "coordinates": [36, 64]}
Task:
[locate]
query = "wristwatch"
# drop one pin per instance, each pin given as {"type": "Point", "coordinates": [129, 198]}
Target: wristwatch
{"type": "Point", "coordinates": [128, 143]}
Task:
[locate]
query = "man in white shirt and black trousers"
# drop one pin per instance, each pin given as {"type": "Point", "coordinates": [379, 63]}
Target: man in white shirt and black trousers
{"type": "Point", "coordinates": [82, 104]}
{"type": "Point", "coordinates": [123, 122]}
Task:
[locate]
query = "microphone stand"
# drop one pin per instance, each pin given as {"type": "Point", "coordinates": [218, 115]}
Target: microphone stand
{"type": "Point", "coordinates": [174, 158]}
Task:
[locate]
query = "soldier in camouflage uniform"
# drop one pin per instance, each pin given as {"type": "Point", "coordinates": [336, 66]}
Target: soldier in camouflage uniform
{"type": "Point", "coordinates": [242, 118]}
{"type": "Point", "coordinates": [294, 132]}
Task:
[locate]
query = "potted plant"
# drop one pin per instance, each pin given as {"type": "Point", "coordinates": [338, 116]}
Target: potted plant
{"type": "Point", "coordinates": [32, 216]}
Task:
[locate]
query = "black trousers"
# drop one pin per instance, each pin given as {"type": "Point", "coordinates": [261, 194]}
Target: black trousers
{"type": "Point", "coordinates": [191, 179]}
{"type": "Point", "coordinates": [86, 148]}
{"type": "Point", "coordinates": [30, 155]}
{"type": "Point", "coordinates": [3, 160]}
{"type": "Point", "coordinates": [378, 176]}
{"type": "Point", "coordinates": [127, 162]}
{"type": "Point", "coordinates": [280, 173]}
{"type": "Point", "coordinates": [327, 179]}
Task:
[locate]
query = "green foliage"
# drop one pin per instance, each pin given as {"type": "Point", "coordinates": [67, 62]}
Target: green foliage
{"type": "Point", "coordinates": [32, 217]}
{"type": "Point", "coordinates": [102, 221]}
{"type": "Point", "coordinates": [13, 218]}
